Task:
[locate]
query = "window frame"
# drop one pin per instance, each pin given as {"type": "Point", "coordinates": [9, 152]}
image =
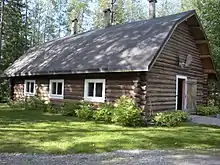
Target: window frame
{"type": "Point", "coordinates": [94, 98]}
{"type": "Point", "coordinates": [25, 88]}
{"type": "Point", "coordinates": [56, 96]}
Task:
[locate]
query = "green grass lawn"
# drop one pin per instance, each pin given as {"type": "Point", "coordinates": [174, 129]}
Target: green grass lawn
{"type": "Point", "coordinates": [36, 132]}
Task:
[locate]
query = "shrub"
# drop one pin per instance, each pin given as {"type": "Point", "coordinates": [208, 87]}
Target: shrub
{"type": "Point", "coordinates": [85, 111]}
{"type": "Point", "coordinates": [126, 113]}
{"type": "Point", "coordinates": [17, 104]}
{"type": "Point", "coordinates": [32, 103]}
{"type": "Point", "coordinates": [104, 113]}
{"type": "Point", "coordinates": [207, 110]}
{"type": "Point", "coordinates": [35, 103]}
{"type": "Point", "coordinates": [69, 108]}
{"type": "Point", "coordinates": [174, 118]}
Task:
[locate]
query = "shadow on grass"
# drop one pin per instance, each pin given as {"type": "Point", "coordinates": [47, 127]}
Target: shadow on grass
{"type": "Point", "coordinates": [37, 132]}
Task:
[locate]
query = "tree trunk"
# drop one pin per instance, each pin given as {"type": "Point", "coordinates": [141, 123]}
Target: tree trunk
{"type": "Point", "coordinates": [1, 26]}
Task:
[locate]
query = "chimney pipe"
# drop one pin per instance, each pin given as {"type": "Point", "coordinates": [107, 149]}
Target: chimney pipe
{"type": "Point", "coordinates": [74, 26]}
{"type": "Point", "coordinates": [152, 8]}
{"type": "Point", "coordinates": [107, 17]}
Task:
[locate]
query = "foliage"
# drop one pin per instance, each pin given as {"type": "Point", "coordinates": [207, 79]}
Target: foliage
{"type": "Point", "coordinates": [169, 119]}
{"type": "Point", "coordinates": [17, 104]}
{"type": "Point", "coordinates": [207, 110]}
{"type": "Point", "coordinates": [123, 11]}
{"type": "Point", "coordinates": [69, 108]}
{"type": "Point", "coordinates": [126, 113]}
{"type": "Point", "coordinates": [12, 40]}
{"type": "Point", "coordinates": [85, 111]}
{"type": "Point", "coordinates": [32, 103]}
{"type": "Point", "coordinates": [35, 103]}
{"type": "Point", "coordinates": [4, 90]}
{"type": "Point", "coordinates": [104, 113]}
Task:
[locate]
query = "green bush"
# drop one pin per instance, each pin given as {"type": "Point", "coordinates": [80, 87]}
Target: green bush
{"type": "Point", "coordinates": [104, 113]}
{"type": "Point", "coordinates": [17, 104]}
{"type": "Point", "coordinates": [207, 110]}
{"type": "Point", "coordinates": [69, 108]}
{"type": "Point", "coordinates": [169, 119]}
{"type": "Point", "coordinates": [85, 111]}
{"type": "Point", "coordinates": [32, 103]}
{"type": "Point", "coordinates": [35, 103]}
{"type": "Point", "coordinates": [126, 113]}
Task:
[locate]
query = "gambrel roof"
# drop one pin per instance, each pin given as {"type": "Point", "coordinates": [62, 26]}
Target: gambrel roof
{"type": "Point", "coordinates": [121, 48]}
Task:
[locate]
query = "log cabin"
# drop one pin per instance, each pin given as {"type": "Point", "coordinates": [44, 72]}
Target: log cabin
{"type": "Point", "coordinates": [164, 63]}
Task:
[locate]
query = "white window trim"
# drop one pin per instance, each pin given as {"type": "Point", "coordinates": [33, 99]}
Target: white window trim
{"type": "Point", "coordinates": [94, 99]}
{"type": "Point", "coordinates": [55, 96]}
{"type": "Point", "coordinates": [185, 99]}
{"type": "Point", "coordinates": [25, 87]}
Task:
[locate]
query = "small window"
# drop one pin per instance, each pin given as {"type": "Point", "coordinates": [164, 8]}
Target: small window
{"type": "Point", "coordinates": [56, 89]}
{"type": "Point", "coordinates": [29, 87]}
{"type": "Point", "coordinates": [94, 90]}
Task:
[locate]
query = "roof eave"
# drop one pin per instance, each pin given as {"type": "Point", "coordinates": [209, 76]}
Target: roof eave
{"type": "Point", "coordinates": [75, 72]}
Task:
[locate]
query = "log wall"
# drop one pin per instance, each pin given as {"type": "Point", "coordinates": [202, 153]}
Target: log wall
{"type": "Point", "coordinates": [161, 90]}
{"type": "Point", "coordinates": [117, 84]}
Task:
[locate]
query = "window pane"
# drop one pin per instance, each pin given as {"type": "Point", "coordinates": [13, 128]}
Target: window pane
{"type": "Point", "coordinates": [32, 88]}
{"type": "Point", "coordinates": [91, 89]}
{"type": "Point", "coordinates": [27, 86]}
{"type": "Point", "coordinates": [98, 90]}
{"type": "Point", "coordinates": [54, 86]}
{"type": "Point", "coordinates": [59, 88]}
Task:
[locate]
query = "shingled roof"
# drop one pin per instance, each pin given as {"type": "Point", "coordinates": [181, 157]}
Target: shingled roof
{"type": "Point", "coordinates": [127, 47]}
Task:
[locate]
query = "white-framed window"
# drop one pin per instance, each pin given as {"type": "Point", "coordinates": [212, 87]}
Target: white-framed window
{"type": "Point", "coordinates": [29, 87]}
{"type": "Point", "coordinates": [56, 89]}
{"type": "Point", "coordinates": [94, 90]}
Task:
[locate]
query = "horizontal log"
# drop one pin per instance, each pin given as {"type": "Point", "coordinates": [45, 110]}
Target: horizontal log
{"type": "Point", "coordinates": [205, 56]}
{"type": "Point", "coordinates": [149, 95]}
{"type": "Point", "coordinates": [79, 93]}
{"type": "Point", "coordinates": [175, 66]}
{"type": "Point", "coordinates": [74, 86]}
{"type": "Point", "coordinates": [161, 90]}
{"type": "Point", "coordinates": [187, 46]}
{"type": "Point", "coordinates": [78, 82]}
{"type": "Point", "coordinates": [201, 42]}
{"type": "Point", "coordinates": [192, 49]}
{"type": "Point", "coordinates": [74, 90]}
{"type": "Point", "coordinates": [159, 108]}
{"type": "Point", "coordinates": [116, 95]}
{"type": "Point", "coordinates": [170, 54]}
{"type": "Point", "coordinates": [116, 82]}
{"type": "Point", "coordinates": [73, 97]}
{"type": "Point", "coordinates": [115, 91]}
{"type": "Point", "coordinates": [162, 99]}
{"type": "Point", "coordinates": [162, 85]}
{"type": "Point", "coordinates": [175, 61]}
{"type": "Point", "coordinates": [120, 87]}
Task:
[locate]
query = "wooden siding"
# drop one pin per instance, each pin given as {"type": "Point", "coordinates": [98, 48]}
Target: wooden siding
{"type": "Point", "coordinates": [117, 84]}
{"type": "Point", "coordinates": [161, 87]}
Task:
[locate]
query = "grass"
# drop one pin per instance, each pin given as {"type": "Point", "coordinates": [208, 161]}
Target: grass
{"type": "Point", "coordinates": [37, 132]}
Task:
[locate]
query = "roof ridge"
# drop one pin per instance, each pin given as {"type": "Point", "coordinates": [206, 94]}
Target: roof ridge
{"type": "Point", "coordinates": [112, 26]}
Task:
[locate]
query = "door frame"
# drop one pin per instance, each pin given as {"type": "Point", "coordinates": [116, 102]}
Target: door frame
{"type": "Point", "coordinates": [185, 90]}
